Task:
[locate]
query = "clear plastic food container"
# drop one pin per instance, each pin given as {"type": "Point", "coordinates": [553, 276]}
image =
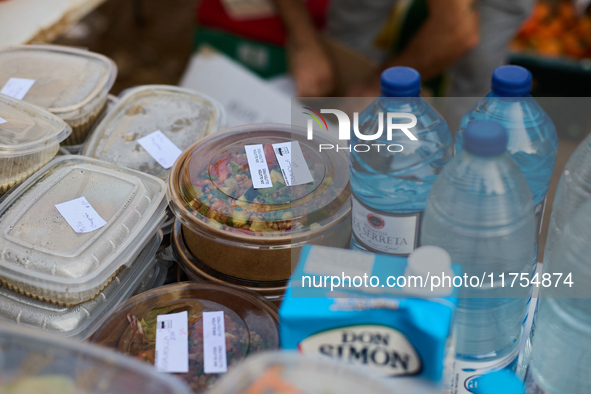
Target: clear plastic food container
{"type": "Point", "coordinates": [41, 363]}
{"type": "Point", "coordinates": [70, 83]}
{"type": "Point", "coordinates": [199, 272]}
{"type": "Point", "coordinates": [42, 256]}
{"type": "Point", "coordinates": [182, 115]}
{"type": "Point", "coordinates": [250, 323]}
{"type": "Point", "coordinates": [293, 373]}
{"type": "Point", "coordinates": [80, 321]}
{"type": "Point", "coordinates": [29, 138]}
{"type": "Point", "coordinates": [252, 234]}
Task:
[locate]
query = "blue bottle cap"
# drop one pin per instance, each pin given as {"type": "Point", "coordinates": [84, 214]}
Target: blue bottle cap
{"type": "Point", "coordinates": [485, 138]}
{"type": "Point", "coordinates": [502, 381]}
{"type": "Point", "coordinates": [400, 82]}
{"type": "Point", "coordinates": [511, 81]}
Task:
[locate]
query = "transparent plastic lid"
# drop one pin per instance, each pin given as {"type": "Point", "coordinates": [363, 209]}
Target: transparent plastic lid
{"type": "Point", "coordinates": [41, 252]}
{"type": "Point", "coordinates": [250, 323]}
{"type": "Point", "coordinates": [37, 362]}
{"type": "Point", "coordinates": [26, 129]}
{"type": "Point", "coordinates": [182, 115]}
{"type": "Point", "coordinates": [80, 321]}
{"type": "Point", "coordinates": [67, 80]}
{"type": "Point", "coordinates": [212, 184]}
{"type": "Point", "coordinates": [293, 373]}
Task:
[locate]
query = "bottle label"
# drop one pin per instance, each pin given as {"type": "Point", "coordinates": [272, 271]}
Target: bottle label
{"type": "Point", "coordinates": [539, 214]}
{"type": "Point", "coordinates": [466, 374]}
{"type": "Point", "coordinates": [385, 232]}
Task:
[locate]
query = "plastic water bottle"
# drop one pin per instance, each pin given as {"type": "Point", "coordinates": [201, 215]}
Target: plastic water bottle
{"type": "Point", "coordinates": [503, 381]}
{"type": "Point", "coordinates": [561, 351]}
{"type": "Point", "coordinates": [480, 210]}
{"type": "Point", "coordinates": [390, 185]}
{"type": "Point", "coordinates": [533, 142]}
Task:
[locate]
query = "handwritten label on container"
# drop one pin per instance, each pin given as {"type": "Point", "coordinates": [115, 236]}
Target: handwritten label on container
{"type": "Point", "coordinates": [80, 215]}
{"type": "Point", "coordinates": [163, 150]}
{"type": "Point", "coordinates": [172, 343]}
{"type": "Point", "coordinates": [17, 87]}
{"type": "Point", "coordinates": [257, 163]}
{"type": "Point", "coordinates": [292, 163]}
{"type": "Point", "coordinates": [214, 343]}
{"type": "Point", "coordinates": [2, 121]}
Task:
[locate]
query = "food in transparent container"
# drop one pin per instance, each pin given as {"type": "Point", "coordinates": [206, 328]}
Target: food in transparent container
{"type": "Point", "coordinates": [29, 138]}
{"type": "Point", "coordinates": [80, 321]}
{"type": "Point", "coordinates": [182, 115]}
{"type": "Point", "coordinates": [293, 373]}
{"type": "Point", "coordinates": [42, 363]}
{"type": "Point", "coordinates": [249, 233]}
{"type": "Point", "coordinates": [70, 83]}
{"type": "Point", "coordinates": [43, 257]}
{"type": "Point", "coordinates": [199, 272]}
{"type": "Point", "coordinates": [251, 325]}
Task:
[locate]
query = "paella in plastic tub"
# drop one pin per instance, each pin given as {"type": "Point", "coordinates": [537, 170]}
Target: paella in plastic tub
{"type": "Point", "coordinates": [81, 320]}
{"type": "Point", "coordinates": [248, 325]}
{"type": "Point", "coordinates": [183, 116]}
{"type": "Point", "coordinates": [199, 272]}
{"type": "Point", "coordinates": [42, 363]}
{"type": "Point", "coordinates": [29, 138]}
{"type": "Point", "coordinates": [70, 228]}
{"type": "Point", "coordinates": [293, 373]}
{"type": "Point", "coordinates": [240, 229]}
{"type": "Point", "coordinates": [70, 83]}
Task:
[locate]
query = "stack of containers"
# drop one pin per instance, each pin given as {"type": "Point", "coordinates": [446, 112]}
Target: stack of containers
{"type": "Point", "coordinates": [29, 138]}
{"type": "Point", "coordinates": [49, 261]}
{"type": "Point", "coordinates": [70, 83]}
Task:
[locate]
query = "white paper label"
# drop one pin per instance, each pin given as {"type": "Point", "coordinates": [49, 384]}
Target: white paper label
{"type": "Point", "coordinates": [172, 343]}
{"type": "Point", "coordinates": [80, 215]}
{"type": "Point", "coordinates": [257, 163]}
{"type": "Point", "coordinates": [331, 261]}
{"type": "Point", "coordinates": [17, 87]}
{"type": "Point", "coordinates": [163, 150]}
{"type": "Point", "coordinates": [292, 163]}
{"type": "Point", "coordinates": [214, 343]}
{"type": "Point", "coordinates": [383, 232]}
{"type": "Point", "coordinates": [249, 9]}
{"type": "Point", "coordinates": [2, 121]}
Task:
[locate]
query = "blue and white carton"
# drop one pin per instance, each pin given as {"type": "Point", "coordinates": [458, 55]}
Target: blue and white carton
{"type": "Point", "coordinates": [384, 313]}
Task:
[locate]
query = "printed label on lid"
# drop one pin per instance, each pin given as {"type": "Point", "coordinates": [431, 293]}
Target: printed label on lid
{"type": "Point", "coordinates": [172, 343]}
{"type": "Point", "coordinates": [257, 163]}
{"type": "Point", "coordinates": [17, 87]}
{"type": "Point", "coordinates": [385, 232]}
{"type": "Point", "coordinates": [163, 150]}
{"type": "Point", "coordinates": [383, 350]}
{"type": "Point", "coordinates": [2, 121]}
{"type": "Point", "coordinates": [80, 215]}
{"type": "Point", "coordinates": [214, 343]}
{"type": "Point", "coordinates": [292, 163]}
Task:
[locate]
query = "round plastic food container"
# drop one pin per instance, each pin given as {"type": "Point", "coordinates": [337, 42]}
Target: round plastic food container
{"type": "Point", "coordinates": [33, 362]}
{"type": "Point", "coordinates": [253, 233]}
{"type": "Point", "coordinates": [199, 272]}
{"type": "Point", "coordinates": [29, 138]}
{"type": "Point", "coordinates": [183, 116]}
{"type": "Point", "coordinates": [70, 83]}
{"type": "Point", "coordinates": [250, 324]}
{"type": "Point", "coordinates": [293, 373]}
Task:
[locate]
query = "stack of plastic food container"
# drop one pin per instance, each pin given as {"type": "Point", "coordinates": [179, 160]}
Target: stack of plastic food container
{"type": "Point", "coordinates": [45, 257]}
{"type": "Point", "coordinates": [70, 83]}
{"type": "Point", "coordinates": [29, 138]}
{"type": "Point", "coordinates": [33, 362]}
{"type": "Point", "coordinates": [250, 325]}
{"type": "Point", "coordinates": [233, 232]}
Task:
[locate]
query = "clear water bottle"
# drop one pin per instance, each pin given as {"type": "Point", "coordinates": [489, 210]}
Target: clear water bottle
{"type": "Point", "coordinates": [533, 142]}
{"type": "Point", "coordinates": [391, 182]}
{"type": "Point", "coordinates": [502, 381]}
{"type": "Point", "coordinates": [480, 210]}
{"type": "Point", "coordinates": [561, 351]}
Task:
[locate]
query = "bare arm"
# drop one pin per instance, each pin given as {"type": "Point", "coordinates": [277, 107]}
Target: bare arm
{"type": "Point", "coordinates": [450, 31]}
{"type": "Point", "coordinates": [308, 60]}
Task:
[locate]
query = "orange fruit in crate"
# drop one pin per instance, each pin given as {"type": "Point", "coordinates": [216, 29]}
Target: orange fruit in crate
{"type": "Point", "coordinates": [549, 47]}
